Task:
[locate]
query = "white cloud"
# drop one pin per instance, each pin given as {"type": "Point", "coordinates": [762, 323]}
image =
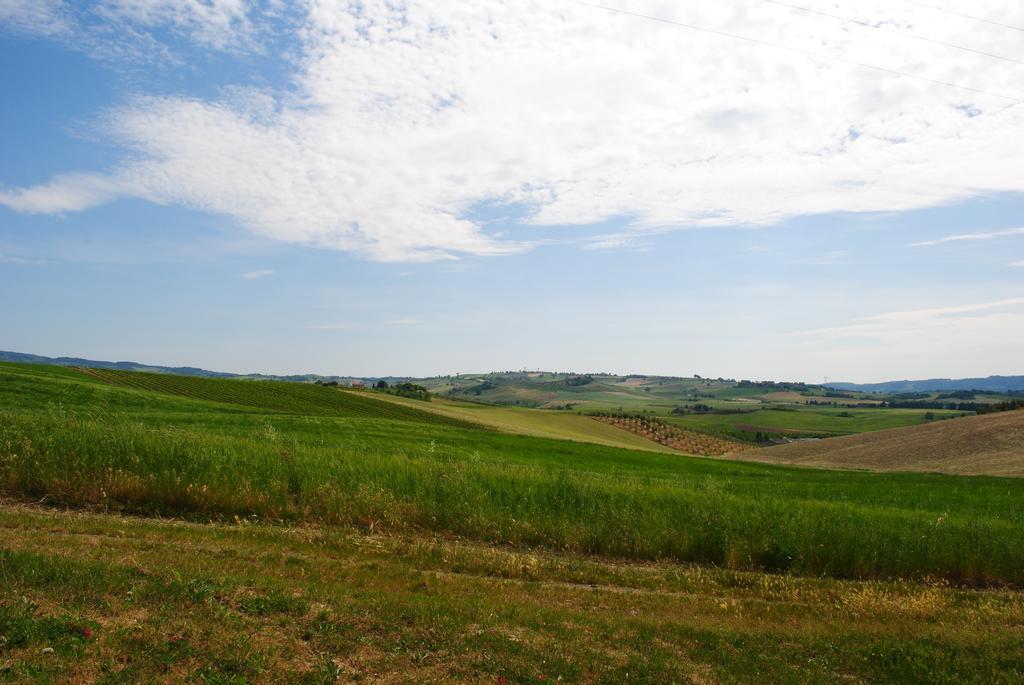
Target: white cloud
{"type": "Point", "coordinates": [929, 323]}
{"type": "Point", "coordinates": [38, 17]}
{"type": "Point", "coordinates": [615, 242]}
{"type": "Point", "coordinates": [66, 193]}
{"type": "Point", "coordinates": [215, 23]}
{"type": "Point", "coordinates": [259, 273]}
{"type": "Point", "coordinates": [402, 118]}
{"type": "Point", "coordinates": [979, 338]}
{"type": "Point", "coordinates": [124, 30]}
{"type": "Point", "coordinates": [970, 236]}
{"type": "Point", "coordinates": [1017, 265]}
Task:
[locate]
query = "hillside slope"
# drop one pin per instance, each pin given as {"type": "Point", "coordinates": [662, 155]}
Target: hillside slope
{"type": "Point", "coordinates": [277, 396]}
{"type": "Point", "coordinates": [992, 444]}
{"type": "Point", "coordinates": [989, 384]}
{"type": "Point", "coordinates": [540, 423]}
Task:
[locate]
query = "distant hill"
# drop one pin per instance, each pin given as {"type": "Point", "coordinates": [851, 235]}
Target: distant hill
{"type": "Point", "coordinates": [23, 358]}
{"type": "Point", "coordinates": [121, 366]}
{"type": "Point", "coordinates": [991, 444]}
{"type": "Point", "coordinates": [990, 384]}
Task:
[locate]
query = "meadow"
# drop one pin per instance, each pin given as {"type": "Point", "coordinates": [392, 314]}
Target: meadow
{"type": "Point", "coordinates": [301, 533]}
{"type": "Point", "coordinates": [724, 408]}
{"type": "Point", "coordinates": [82, 442]}
{"type": "Point", "coordinates": [129, 600]}
{"type": "Point", "coordinates": [809, 421]}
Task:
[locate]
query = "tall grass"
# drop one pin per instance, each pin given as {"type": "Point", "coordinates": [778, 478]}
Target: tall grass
{"type": "Point", "coordinates": [693, 514]}
{"type": "Point", "coordinates": [293, 398]}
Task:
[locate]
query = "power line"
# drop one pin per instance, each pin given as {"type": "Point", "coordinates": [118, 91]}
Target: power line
{"type": "Point", "coordinates": [802, 51]}
{"type": "Point", "coordinates": [898, 32]}
{"type": "Point", "coordinates": [961, 14]}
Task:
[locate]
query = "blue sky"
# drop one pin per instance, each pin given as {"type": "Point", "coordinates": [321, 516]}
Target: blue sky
{"type": "Point", "coordinates": [425, 190]}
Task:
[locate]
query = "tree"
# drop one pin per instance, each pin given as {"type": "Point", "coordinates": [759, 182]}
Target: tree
{"type": "Point", "coordinates": [382, 384]}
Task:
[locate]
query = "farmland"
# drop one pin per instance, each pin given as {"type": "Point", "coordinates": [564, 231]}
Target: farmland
{"type": "Point", "coordinates": [808, 421]}
{"type": "Point", "coordinates": [680, 439]}
{"type": "Point", "coordinates": [352, 534]}
{"type": "Point", "coordinates": [729, 409]}
{"type": "Point", "coordinates": [990, 444]}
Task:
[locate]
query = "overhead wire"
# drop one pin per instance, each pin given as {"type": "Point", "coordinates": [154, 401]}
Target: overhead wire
{"type": "Point", "coordinates": [908, 34]}
{"type": "Point", "coordinates": [802, 51]}
{"type": "Point", "coordinates": [965, 16]}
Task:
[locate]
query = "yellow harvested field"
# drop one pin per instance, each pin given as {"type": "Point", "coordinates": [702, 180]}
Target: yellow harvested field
{"type": "Point", "coordinates": [992, 445]}
{"type": "Point", "coordinates": [541, 423]}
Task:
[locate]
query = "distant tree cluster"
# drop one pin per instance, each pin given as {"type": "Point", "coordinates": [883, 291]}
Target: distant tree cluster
{"type": "Point", "coordinates": [958, 395]}
{"type": "Point", "coordinates": [410, 390]}
{"type": "Point", "coordinates": [693, 409]}
{"type": "Point", "coordinates": [900, 396]}
{"type": "Point", "coordinates": [977, 407]}
{"type": "Point", "coordinates": [772, 385]}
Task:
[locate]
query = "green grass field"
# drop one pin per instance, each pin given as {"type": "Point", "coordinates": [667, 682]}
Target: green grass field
{"type": "Point", "coordinates": [287, 398]}
{"type": "Point", "coordinates": [301, 464]}
{"type": "Point", "coordinates": [817, 421]}
{"type": "Point", "coordinates": [130, 600]}
{"type": "Point", "coordinates": [738, 411]}
{"type": "Point", "coordinates": [86, 442]}
{"type": "Point", "coordinates": [535, 422]}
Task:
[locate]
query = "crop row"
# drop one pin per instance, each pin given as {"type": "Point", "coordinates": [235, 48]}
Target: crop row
{"type": "Point", "coordinates": [680, 439]}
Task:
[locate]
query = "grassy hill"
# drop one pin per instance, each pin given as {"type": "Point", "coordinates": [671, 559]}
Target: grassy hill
{"type": "Point", "coordinates": [84, 442]}
{"type": "Point", "coordinates": [281, 397]}
{"type": "Point", "coordinates": [338, 535]}
{"type": "Point", "coordinates": [814, 421]}
{"type": "Point", "coordinates": [725, 408]}
{"type": "Point", "coordinates": [991, 444]}
{"type": "Point", "coordinates": [534, 422]}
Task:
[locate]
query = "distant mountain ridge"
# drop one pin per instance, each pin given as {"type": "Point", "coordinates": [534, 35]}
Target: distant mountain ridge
{"type": "Point", "coordinates": [989, 384]}
{"type": "Point", "coordinates": [121, 366]}
{"type": "Point", "coordinates": [22, 358]}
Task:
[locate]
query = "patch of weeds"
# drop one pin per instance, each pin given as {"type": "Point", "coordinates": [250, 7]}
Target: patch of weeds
{"type": "Point", "coordinates": [274, 602]}
{"type": "Point", "coordinates": [214, 677]}
{"type": "Point", "coordinates": [81, 580]}
{"type": "Point", "coordinates": [239, 663]}
{"type": "Point", "coordinates": [152, 650]}
{"type": "Point", "coordinates": [324, 671]}
{"type": "Point", "coordinates": [21, 626]}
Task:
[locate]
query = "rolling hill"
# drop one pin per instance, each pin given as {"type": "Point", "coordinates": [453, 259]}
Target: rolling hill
{"type": "Point", "coordinates": [304, 399]}
{"type": "Point", "coordinates": [22, 358]}
{"type": "Point", "coordinates": [991, 444]}
{"type": "Point", "coordinates": [533, 422]}
{"type": "Point", "coordinates": [988, 384]}
{"type": "Point", "coordinates": [301, 533]}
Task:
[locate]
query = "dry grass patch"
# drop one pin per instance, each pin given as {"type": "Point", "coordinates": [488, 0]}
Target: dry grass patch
{"type": "Point", "coordinates": [991, 444]}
